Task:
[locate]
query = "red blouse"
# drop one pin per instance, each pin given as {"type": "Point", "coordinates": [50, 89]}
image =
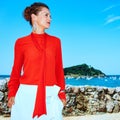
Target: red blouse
{"type": "Point", "coordinates": [37, 61]}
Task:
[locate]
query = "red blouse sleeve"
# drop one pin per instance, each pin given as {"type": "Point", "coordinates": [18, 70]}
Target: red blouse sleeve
{"type": "Point", "coordinates": [60, 72]}
{"type": "Point", "coordinates": [13, 83]}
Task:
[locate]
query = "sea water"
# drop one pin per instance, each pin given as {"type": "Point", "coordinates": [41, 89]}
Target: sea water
{"type": "Point", "coordinates": [107, 81]}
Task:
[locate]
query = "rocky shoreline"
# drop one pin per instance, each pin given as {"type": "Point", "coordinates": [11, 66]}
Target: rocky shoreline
{"type": "Point", "coordinates": [83, 100]}
{"type": "Point", "coordinates": [4, 110]}
{"type": "Point", "coordinates": [86, 100]}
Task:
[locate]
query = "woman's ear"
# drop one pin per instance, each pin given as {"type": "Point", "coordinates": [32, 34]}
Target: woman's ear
{"type": "Point", "coordinates": [33, 17]}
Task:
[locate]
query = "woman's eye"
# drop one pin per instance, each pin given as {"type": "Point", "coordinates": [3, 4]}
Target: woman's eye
{"type": "Point", "coordinates": [46, 15]}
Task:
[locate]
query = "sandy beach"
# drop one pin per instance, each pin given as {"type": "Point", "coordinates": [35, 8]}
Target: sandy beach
{"type": "Point", "coordinates": [106, 116]}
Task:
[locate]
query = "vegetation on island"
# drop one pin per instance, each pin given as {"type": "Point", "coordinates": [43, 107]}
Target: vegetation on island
{"type": "Point", "coordinates": [83, 70]}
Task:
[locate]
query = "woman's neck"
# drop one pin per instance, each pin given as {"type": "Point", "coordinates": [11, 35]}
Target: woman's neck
{"type": "Point", "coordinates": [37, 30]}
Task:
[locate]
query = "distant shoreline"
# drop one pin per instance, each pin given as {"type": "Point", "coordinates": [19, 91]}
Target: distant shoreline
{"type": "Point", "coordinates": [110, 81]}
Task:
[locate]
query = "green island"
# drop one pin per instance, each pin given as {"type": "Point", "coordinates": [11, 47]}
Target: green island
{"type": "Point", "coordinates": [82, 70]}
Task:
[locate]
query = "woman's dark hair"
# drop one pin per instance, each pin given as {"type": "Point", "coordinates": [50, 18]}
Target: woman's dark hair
{"type": "Point", "coordinates": [33, 9]}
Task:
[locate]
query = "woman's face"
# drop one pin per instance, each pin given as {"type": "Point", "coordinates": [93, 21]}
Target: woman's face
{"type": "Point", "coordinates": [43, 18]}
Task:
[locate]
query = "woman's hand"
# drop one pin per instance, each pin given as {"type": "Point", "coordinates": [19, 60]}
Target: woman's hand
{"type": "Point", "coordinates": [11, 102]}
{"type": "Point", "coordinates": [64, 102]}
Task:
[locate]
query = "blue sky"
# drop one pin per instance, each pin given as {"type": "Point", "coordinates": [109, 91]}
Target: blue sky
{"type": "Point", "coordinates": [89, 31]}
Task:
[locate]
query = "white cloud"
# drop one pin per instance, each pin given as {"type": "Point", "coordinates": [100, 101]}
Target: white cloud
{"type": "Point", "coordinates": [112, 15]}
{"type": "Point", "coordinates": [112, 19]}
{"type": "Point", "coordinates": [108, 8]}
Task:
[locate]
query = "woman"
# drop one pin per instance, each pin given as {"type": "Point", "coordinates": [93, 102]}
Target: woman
{"type": "Point", "coordinates": [37, 86]}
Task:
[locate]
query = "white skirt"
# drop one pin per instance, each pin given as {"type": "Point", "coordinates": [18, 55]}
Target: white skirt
{"type": "Point", "coordinates": [25, 101]}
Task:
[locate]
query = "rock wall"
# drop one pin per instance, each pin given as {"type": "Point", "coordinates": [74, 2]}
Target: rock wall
{"type": "Point", "coordinates": [4, 110]}
{"type": "Point", "coordinates": [91, 100]}
{"type": "Point", "coordinates": [80, 100]}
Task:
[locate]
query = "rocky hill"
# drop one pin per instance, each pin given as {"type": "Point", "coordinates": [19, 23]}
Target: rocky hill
{"type": "Point", "coordinates": [83, 70]}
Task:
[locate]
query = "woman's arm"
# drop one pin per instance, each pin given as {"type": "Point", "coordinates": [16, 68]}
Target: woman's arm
{"type": "Point", "coordinates": [60, 72]}
{"type": "Point", "coordinates": [13, 83]}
